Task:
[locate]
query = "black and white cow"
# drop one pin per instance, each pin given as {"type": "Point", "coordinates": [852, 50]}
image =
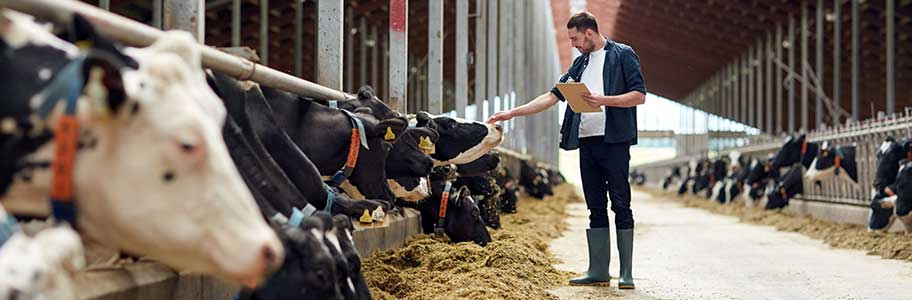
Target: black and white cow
{"type": "Point", "coordinates": [733, 184]}
{"type": "Point", "coordinates": [149, 126]}
{"type": "Point", "coordinates": [636, 177]}
{"type": "Point", "coordinates": [479, 178]}
{"type": "Point", "coordinates": [760, 175]}
{"type": "Point", "coordinates": [834, 161]}
{"type": "Point", "coordinates": [883, 197]}
{"type": "Point", "coordinates": [534, 180]}
{"type": "Point", "coordinates": [270, 161]}
{"type": "Point", "coordinates": [718, 171]}
{"type": "Point", "coordinates": [788, 186]}
{"type": "Point", "coordinates": [462, 221]}
{"type": "Point", "coordinates": [460, 141]}
{"type": "Point", "coordinates": [673, 174]}
{"type": "Point", "coordinates": [902, 187]}
{"type": "Point", "coordinates": [366, 98]}
{"type": "Point", "coordinates": [701, 176]}
{"type": "Point", "coordinates": [324, 135]}
{"type": "Point", "coordinates": [510, 189]}
{"type": "Point", "coordinates": [687, 176]}
{"type": "Point", "coordinates": [409, 163]}
{"type": "Point", "coordinates": [309, 270]}
{"type": "Point", "coordinates": [795, 149]}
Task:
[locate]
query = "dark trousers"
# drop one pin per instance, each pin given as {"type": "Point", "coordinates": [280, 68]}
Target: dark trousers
{"type": "Point", "coordinates": [604, 170]}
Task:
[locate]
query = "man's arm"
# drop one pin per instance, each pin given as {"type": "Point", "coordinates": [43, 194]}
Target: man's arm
{"type": "Point", "coordinates": [540, 103]}
{"type": "Point", "coordinates": [629, 99]}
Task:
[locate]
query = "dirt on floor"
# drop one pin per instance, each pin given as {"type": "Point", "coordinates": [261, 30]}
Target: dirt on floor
{"type": "Point", "coordinates": [516, 265]}
{"type": "Point", "coordinates": [849, 236]}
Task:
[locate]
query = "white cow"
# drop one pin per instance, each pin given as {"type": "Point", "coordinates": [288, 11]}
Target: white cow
{"type": "Point", "coordinates": [157, 179]}
{"type": "Point", "coordinates": [40, 268]}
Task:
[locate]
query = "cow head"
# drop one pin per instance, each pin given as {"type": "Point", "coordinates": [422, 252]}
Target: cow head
{"type": "Point", "coordinates": [461, 141]}
{"type": "Point", "coordinates": [366, 98]}
{"type": "Point", "coordinates": [902, 187]}
{"type": "Point", "coordinates": [796, 149]}
{"type": "Point", "coordinates": [834, 161]}
{"type": "Point", "coordinates": [463, 222]}
{"type": "Point", "coordinates": [409, 157]}
{"type": "Point", "coordinates": [890, 154]}
{"type": "Point", "coordinates": [534, 180]}
{"type": "Point", "coordinates": [40, 267]}
{"type": "Point", "coordinates": [154, 135]}
{"type": "Point", "coordinates": [308, 271]}
{"type": "Point", "coordinates": [789, 185]}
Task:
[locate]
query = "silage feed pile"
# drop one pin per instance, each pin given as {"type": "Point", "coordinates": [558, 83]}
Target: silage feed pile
{"type": "Point", "coordinates": [516, 265]}
{"type": "Point", "coordinates": [848, 236]}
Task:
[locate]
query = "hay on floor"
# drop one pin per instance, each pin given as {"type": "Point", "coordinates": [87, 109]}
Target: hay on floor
{"type": "Point", "coordinates": [516, 265]}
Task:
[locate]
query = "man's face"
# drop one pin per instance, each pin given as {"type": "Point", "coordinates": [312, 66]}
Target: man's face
{"type": "Point", "coordinates": [582, 40]}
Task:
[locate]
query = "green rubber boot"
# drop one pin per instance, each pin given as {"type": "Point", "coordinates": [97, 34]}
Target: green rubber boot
{"type": "Point", "coordinates": [625, 253]}
{"type": "Point", "coordinates": [599, 258]}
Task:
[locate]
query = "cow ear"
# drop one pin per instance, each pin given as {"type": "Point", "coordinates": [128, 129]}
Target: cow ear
{"type": "Point", "coordinates": [366, 93]}
{"type": "Point", "coordinates": [389, 129]}
{"type": "Point", "coordinates": [461, 194]}
{"type": "Point", "coordinates": [103, 83]}
{"type": "Point", "coordinates": [423, 119]}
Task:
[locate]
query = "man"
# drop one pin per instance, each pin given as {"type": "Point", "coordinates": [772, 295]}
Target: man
{"type": "Point", "coordinates": [611, 71]}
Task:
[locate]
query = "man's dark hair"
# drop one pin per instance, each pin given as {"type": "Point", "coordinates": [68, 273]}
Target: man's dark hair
{"type": "Point", "coordinates": [583, 20]}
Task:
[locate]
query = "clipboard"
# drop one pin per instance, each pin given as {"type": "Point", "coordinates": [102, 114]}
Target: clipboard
{"type": "Point", "coordinates": [573, 92]}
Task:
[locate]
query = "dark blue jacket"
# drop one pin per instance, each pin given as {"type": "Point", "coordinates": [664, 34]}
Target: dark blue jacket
{"type": "Point", "coordinates": [621, 75]}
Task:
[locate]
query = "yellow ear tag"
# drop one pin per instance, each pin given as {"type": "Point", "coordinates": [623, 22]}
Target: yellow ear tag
{"type": "Point", "coordinates": [84, 44]}
{"type": "Point", "coordinates": [426, 145]}
{"type": "Point", "coordinates": [389, 134]}
{"type": "Point", "coordinates": [366, 217]}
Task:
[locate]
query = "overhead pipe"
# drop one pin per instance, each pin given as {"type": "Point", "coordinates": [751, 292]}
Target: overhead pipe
{"type": "Point", "coordinates": [136, 34]}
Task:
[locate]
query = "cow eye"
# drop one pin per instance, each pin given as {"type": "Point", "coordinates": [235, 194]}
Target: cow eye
{"type": "Point", "coordinates": [187, 147]}
{"type": "Point", "coordinates": [168, 176]}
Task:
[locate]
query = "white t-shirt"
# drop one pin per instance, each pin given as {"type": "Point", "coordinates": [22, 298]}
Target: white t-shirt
{"type": "Point", "coordinates": [593, 124]}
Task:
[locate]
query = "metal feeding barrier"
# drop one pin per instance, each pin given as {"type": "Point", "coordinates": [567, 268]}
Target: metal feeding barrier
{"type": "Point", "coordinates": [136, 34]}
{"type": "Point", "coordinates": [866, 135]}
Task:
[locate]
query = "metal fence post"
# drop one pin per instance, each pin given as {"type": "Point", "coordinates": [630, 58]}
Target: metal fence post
{"type": "Point", "coordinates": [481, 40]}
{"type": "Point", "coordinates": [856, 54]}
{"type": "Point", "coordinates": [398, 55]}
{"type": "Point", "coordinates": [435, 57]}
{"type": "Point", "coordinates": [187, 15]}
{"type": "Point", "coordinates": [264, 31]}
{"type": "Point", "coordinates": [891, 56]}
{"type": "Point", "coordinates": [462, 52]}
{"type": "Point", "coordinates": [329, 40]}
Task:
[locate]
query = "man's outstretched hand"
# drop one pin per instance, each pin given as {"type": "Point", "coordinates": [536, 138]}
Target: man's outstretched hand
{"type": "Point", "coordinates": [500, 116]}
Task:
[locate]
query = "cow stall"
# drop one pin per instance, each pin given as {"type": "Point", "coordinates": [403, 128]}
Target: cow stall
{"type": "Point", "coordinates": [835, 200]}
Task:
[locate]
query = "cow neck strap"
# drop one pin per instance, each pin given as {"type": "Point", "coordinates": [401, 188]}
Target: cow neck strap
{"type": "Point", "coordinates": [804, 148]}
{"type": "Point", "coordinates": [837, 160]}
{"type": "Point", "coordinates": [358, 139]}
{"type": "Point", "coordinates": [8, 227]}
{"type": "Point", "coordinates": [441, 217]}
{"type": "Point", "coordinates": [67, 85]}
{"type": "Point", "coordinates": [330, 198]}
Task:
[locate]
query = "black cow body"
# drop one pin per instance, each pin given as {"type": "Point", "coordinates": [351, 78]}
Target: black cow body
{"type": "Point", "coordinates": [275, 169]}
{"type": "Point", "coordinates": [509, 190]}
{"type": "Point", "coordinates": [673, 174]}
{"type": "Point", "coordinates": [882, 193]}
{"type": "Point", "coordinates": [310, 271]}
{"type": "Point", "coordinates": [789, 185]}
{"type": "Point", "coordinates": [534, 180]}
{"type": "Point", "coordinates": [463, 218]}
{"type": "Point", "coordinates": [637, 178]}
{"type": "Point", "coordinates": [324, 134]}
{"type": "Point", "coordinates": [479, 178]}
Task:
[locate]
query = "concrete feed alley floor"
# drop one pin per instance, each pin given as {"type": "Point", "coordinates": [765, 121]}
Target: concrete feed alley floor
{"type": "Point", "coordinates": [688, 253]}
